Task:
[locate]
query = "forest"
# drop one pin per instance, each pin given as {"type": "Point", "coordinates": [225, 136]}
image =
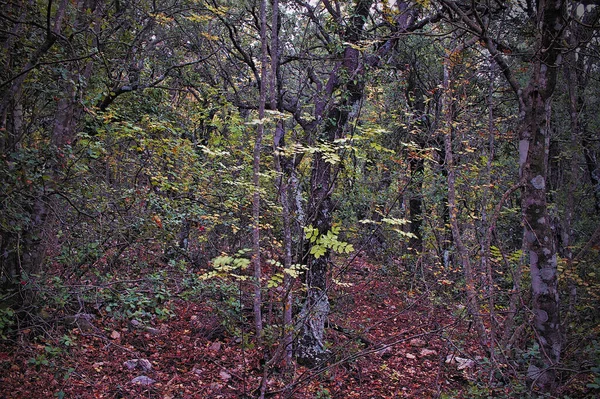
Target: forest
{"type": "Point", "coordinates": [299, 199]}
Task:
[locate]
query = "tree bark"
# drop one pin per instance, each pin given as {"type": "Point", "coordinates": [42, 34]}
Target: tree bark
{"type": "Point", "coordinates": [311, 349]}
{"type": "Point", "coordinates": [473, 305]}
{"type": "Point", "coordinates": [535, 105]}
{"type": "Point", "coordinates": [283, 167]}
{"type": "Point", "coordinates": [22, 252]}
{"type": "Point", "coordinates": [256, 261]}
{"type": "Point", "coordinates": [534, 136]}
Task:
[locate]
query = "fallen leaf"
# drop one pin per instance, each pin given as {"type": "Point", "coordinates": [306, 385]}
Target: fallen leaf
{"type": "Point", "coordinates": [98, 366]}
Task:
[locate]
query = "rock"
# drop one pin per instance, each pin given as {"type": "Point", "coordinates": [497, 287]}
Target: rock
{"type": "Point", "coordinates": [385, 353]}
{"type": "Point", "coordinates": [465, 364]}
{"type": "Point", "coordinates": [410, 356]}
{"type": "Point", "coordinates": [417, 342]}
{"type": "Point", "coordinates": [152, 330]}
{"type": "Point", "coordinates": [461, 362]}
{"type": "Point", "coordinates": [427, 352]}
{"type": "Point", "coordinates": [115, 335]}
{"type": "Point", "coordinates": [215, 346]}
{"type": "Point", "coordinates": [143, 380]}
{"type": "Point", "coordinates": [130, 364]}
{"type": "Point", "coordinates": [136, 324]}
{"type": "Point", "coordinates": [142, 364]}
{"type": "Point", "coordinates": [209, 327]}
{"type": "Point", "coordinates": [83, 321]}
{"type": "Point", "coordinates": [225, 376]}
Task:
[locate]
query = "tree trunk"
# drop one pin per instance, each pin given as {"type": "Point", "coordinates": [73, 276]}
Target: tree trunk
{"type": "Point", "coordinates": [565, 234]}
{"type": "Point", "coordinates": [415, 98]}
{"type": "Point", "coordinates": [311, 347]}
{"type": "Point", "coordinates": [256, 261]}
{"type": "Point", "coordinates": [534, 135]}
{"type": "Point", "coordinates": [535, 102]}
{"type": "Point", "coordinates": [580, 73]}
{"type": "Point", "coordinates": [23, 253]}
{"type": "Point", "coordinates": [284, 168]}
{"type": "Point", "coordinates": [473, 306]}
{"type": "Point", "coordinates": [16, 83]}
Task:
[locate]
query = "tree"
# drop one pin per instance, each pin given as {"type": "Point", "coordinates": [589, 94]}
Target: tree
{"type": "Point", "coordinates": [331, 118]}
{"type": "Point", "coordinates": [535, 105]}
{"type": "Point", "coordinates": [22, 246]}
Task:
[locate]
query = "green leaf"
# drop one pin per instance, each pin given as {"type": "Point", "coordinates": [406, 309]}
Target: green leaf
{"type": "Point", "coordinates": [318, 250]}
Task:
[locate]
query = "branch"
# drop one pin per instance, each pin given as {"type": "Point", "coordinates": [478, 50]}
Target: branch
{"type": "Point", "coordinates": [593, 239]}
{"type": "Point", "coordinates": [247, 59]}
{"type": "Point", "coordinates": [498, 209]}
{"type": "Point", "coordinates": [112, 96]}
{"type": "Point", "coordinates": [493, 47]}
{"type": "Point", "coordinates": [315, 20]}
{"type": "Point", "coordinates": [79, 211]}
{"type": "Point", "coordinates": [34, 66]}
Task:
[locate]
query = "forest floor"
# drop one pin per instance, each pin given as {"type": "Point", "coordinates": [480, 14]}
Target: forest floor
{"type": "Point", "coordinates": [387, 341]}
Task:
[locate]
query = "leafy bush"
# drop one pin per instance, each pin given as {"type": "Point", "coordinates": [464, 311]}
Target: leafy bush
{"type": "Point", "coordinates": [144, 301]}
{"type": "Point", "coordinates": [7, 321]}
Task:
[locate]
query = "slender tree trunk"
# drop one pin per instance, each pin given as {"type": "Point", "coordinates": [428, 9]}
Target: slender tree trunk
{"type": "Point", "coordinates": [256, 261]}
{"type": "Point", "coordinates": [288, 281]}
{"type": "Point", "coordinates": [415, 98]}
{"type": "Point", "coordinates": [415, 205]}
{"type": "Point", "coordinates": [441, 230]}
{"type": "Point", "coordinates": [473, 306]}
{"type": "Point", "coordinates": [566, 228]}
{"type": "Point", "coordinates": [485, 241]}
{"type": "Point", "coordinates": [282, 166]}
